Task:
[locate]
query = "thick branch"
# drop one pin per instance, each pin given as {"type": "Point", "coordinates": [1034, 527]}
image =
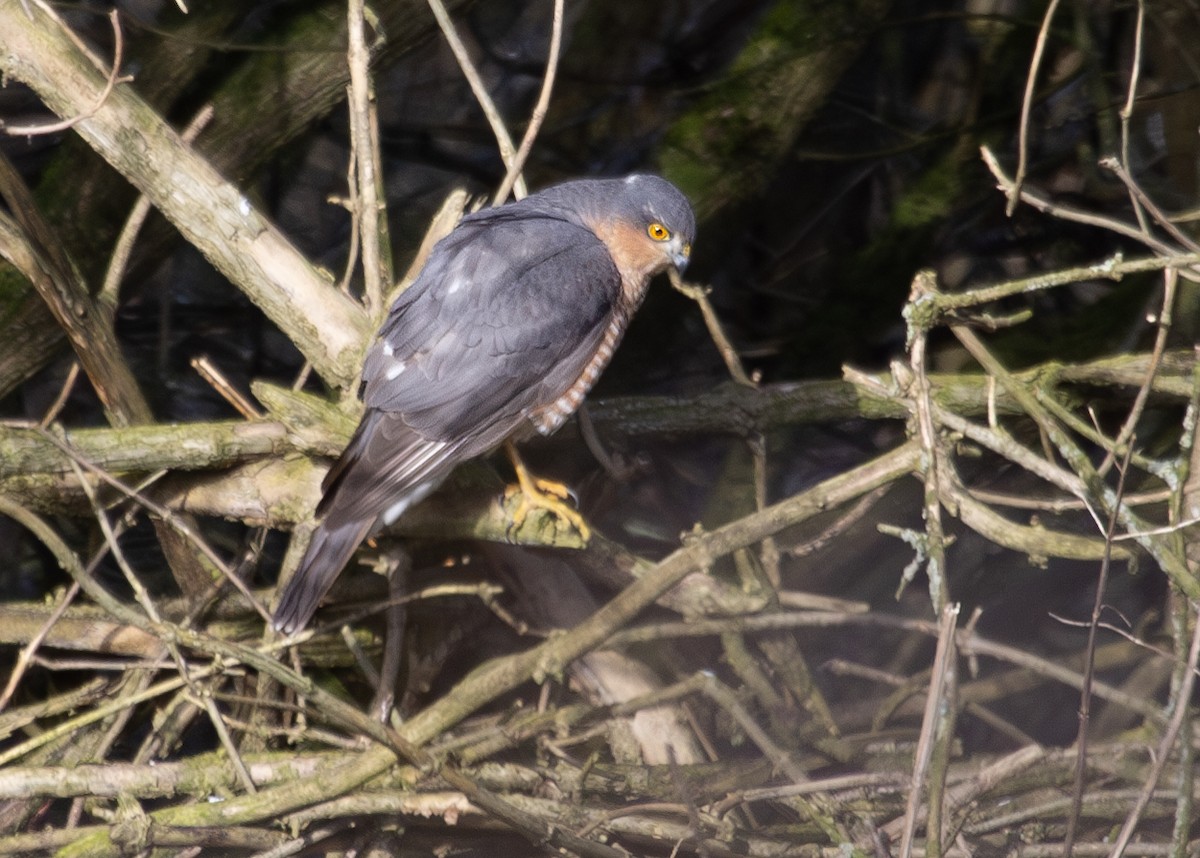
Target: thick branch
{"type": "Point", "coordinates": [211, 213]}
{"type": "Point", "coordinates": [32, 467]}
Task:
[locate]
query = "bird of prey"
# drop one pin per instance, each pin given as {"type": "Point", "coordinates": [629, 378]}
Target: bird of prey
{"type": "Point", "coordinates": [506, 328]}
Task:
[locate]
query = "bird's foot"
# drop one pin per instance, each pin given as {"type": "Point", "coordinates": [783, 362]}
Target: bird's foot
{"type": "Point", "coordinates": [535, 493]}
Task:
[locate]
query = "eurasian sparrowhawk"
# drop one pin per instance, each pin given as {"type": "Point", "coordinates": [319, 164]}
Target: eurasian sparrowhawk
{"type": "Point", "coordinates": [506, 328]}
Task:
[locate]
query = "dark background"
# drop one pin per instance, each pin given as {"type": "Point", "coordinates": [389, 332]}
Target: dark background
{"type": "Point", "coordinates": [831, 150]}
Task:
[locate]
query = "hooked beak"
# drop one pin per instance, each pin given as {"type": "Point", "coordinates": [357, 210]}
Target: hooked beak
{"type": "Point", "coordinates": [681, 251]}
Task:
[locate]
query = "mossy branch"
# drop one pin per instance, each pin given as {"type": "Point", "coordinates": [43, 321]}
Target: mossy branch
{"type": "Point", "coordinates": [212, 214]}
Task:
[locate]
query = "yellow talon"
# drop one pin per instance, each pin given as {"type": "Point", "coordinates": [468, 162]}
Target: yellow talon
{"type": "Point", "coordinates": [536, 493]}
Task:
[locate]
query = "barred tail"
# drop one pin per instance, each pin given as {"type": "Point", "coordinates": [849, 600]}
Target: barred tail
{"type": "Point", "coordinates": [327, 554]}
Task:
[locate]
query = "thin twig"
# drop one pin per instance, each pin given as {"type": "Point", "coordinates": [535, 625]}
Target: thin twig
{"type": "Point", "coordinates": [398, 567]}
{"type": "Point", "coordinates": [935, 703]}
{"type": "Point", "coordinates": [1125, 435]}
{"type": "Point", "coordinates": [1143, 200]}
{"type": "Point", "coordinates": [1089, 665]}
{"type": "Point", "coordinates": [64, 394]}
{"type": "Point", "coordinates": [503, 138]}
{"type": "Point", "coordinates": [936, 466]}
{"type": "Point", "coordinates": [715, 330]}
{"type": "Point", "coordinates": [539, 110]}
{"type": "Point", "coordinates": [114, 78]}
{"type": "Point", "coordinates": [816, 808]}
{"type": "Point", "coordinates": [217, 380]}
{"type": "Point", "coordinates": [769, 551]}
{"type": "Point", "coordinates": [26, 655]}
{"type": "Point", "coordinates": [1043, 203]}
{"type": "Point", "coordinates": [371, 219]}
{"type": "Point", "coordinates": [199, 697]}
{"type": "Point", "coordinates": [167, 516]}
{"type": "Point", "coordinates": [1059, 505]}
{"type": "Point", "coordinates": [1126, 112]}
{"type": "Point", "coordinates": [1026, 105]}
{"type": "Point", "coordinates": [123, 248]}
{"type": "Point", "coordinates": [1182, 709]}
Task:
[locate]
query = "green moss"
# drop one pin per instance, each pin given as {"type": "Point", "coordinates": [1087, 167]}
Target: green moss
{"type": "Point", "coordinates": [14, 289]}
{"type": "Point", "coordinates": [931, 198]}
{"type": "Point", "coordinates": [732, 140]}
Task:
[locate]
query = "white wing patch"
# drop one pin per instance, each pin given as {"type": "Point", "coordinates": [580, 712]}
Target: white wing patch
{"type": "Point", "coordinates": [388, 516]}
{"type": "Point", "coordinates": [420, 491]}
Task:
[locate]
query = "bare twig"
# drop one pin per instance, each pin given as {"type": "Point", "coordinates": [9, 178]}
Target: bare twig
{"type": "Point", "coordinates": [27, 652]}
{"type": "Point", "coordinates": [144, 599]}
{"type": "Point", "coordinates": [1043, 203]}
{"type": "Point", "coordinates": [1014, 194]}
{"type": "Point", "coordinates": [64, 394]}
{"type": "Point", "coordinates": [113, 79]}
{"type": "Point", "coordinates": [372, 218]}
{"type": "Point", "coordinates": [936, 465]}
{"type": "Point", "coordinates": [107, 296]}
{"type": "Point", "coordinates": [1143, 200]}
{"type": "Point", "coordinates": [938, 709]}
{"type": "Point", "coordinates": [769, 551]}
{"type": "Point", "coordinates": [1182, 709]}
{"type": "Point", "coordinates": [816, 809]}
{"type": "Point", "coordinates": [398, 567]}
{"type": "Point", "coordinates": [539, 111]}
{"type": "Point", "coordinates": [503, 138]}
{"type": "Point", "coordinates": [217, 380]}
{"type": "Point", "coordinates": [715, 330]}
{"type": "Point", "coordinates": [1085, 697]}
{"type": "Point", "coordinates": [171, 519]}
{"type": "Point", "coordinates": [1126, 112]}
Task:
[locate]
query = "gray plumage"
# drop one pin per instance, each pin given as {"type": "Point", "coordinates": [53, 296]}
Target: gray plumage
{"type": "Point", "coordinates": [517, 309]}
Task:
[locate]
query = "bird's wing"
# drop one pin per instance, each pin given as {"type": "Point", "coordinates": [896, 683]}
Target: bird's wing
{"type": "Point", "coordinates": [503, 319]}
{"type": "Point", "coordinates": [385, 467]}
{"type": "Point", "coordinates": [386, 463]}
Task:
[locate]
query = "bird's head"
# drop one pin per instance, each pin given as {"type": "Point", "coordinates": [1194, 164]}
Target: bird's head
{"type": "Point", "coordinates": [662, 213]}
{"type": "Point", "coordinates": [646, 222]}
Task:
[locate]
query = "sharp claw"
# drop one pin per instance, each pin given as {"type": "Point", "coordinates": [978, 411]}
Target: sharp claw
{"type": "Point", "coordinates": [547, 495]}
{"type": "Point", "coordinates": [559, 490]}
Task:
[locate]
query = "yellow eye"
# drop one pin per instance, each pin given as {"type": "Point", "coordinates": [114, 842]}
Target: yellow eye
{"type": "Point", "coordinates": [658, 232]}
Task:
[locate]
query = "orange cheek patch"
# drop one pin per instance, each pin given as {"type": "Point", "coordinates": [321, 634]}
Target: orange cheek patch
{"type": "Point", "coordinates": [636, 255]}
